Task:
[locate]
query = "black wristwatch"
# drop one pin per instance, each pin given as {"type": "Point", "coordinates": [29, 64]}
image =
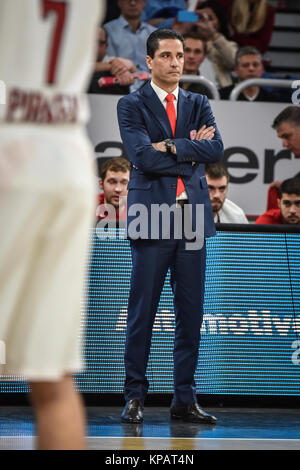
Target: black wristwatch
{"type": "Point", "coordinates": [169, 144]}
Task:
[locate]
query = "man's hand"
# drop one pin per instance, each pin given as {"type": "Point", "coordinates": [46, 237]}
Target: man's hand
{"type": "Point", "coordinates": [125, 78]}
{"type": "Point", "coordinates": [120, 65]}
{"type": "Point", "coordinates": [275, 184]}
{"type": "Point", "coordinates": [161, 147]}
{"type": "Point", "coordinates": [122, 69]}
{"type": "Point", "coordinates": [205, 26]}
{"type": "Point", "coordinates": [182, 27]}
{"type": "Point", "coordinates": [203, 133]}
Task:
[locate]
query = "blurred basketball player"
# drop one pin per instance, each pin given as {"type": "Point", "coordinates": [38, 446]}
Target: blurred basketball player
{"type": "Point", "coordinates": [46, 203]}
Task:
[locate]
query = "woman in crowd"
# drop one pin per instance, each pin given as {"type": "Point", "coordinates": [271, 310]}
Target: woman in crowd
{"type": "Point", "coordinates": [213, 27]}
{"type": "Point", "coordinates": [252, 23]}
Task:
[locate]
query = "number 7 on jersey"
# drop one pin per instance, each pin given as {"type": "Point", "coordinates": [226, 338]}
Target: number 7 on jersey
{"type": "Point", "coordinates": [60, 10]}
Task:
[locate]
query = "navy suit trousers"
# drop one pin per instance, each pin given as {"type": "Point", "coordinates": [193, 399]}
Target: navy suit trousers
{"type": "Point", "coordinates": [151, 260]}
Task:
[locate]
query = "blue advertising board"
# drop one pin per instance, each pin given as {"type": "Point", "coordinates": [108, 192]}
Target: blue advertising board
{"type": "Point", "coordinates": [250, 337]}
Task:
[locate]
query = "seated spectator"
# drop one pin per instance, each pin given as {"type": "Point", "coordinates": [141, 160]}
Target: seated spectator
{"type": "Point", "coordinates": [287, 125]}
{"type": "Point", "coordinates": [161, 13]}
{"type": "Point", "coordinates": [111, 66]}
{"type": "Point", "coordinates": [224, 210]}
{"type": "Point", "coordinates": [248, 64]}
{"type": "Point", "coordinates": [252, 23]}
{"type": "Point", "coordinates": [195, 51]}
{"type": "Point", "coordinates": [288, 211]}
{"type": "Point", "coordinates": [212, 26]}
{"type": "Point", "coordinates": [128, 34]}
{"type": "Point", "coordinates": [113, 182]}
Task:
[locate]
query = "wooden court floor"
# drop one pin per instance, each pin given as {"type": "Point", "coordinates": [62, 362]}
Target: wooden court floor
{"type": "Point", "coordinates": [237, 428]}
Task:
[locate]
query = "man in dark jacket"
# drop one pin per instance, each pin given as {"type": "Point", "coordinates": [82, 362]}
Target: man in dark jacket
{"type": "Point", "coordinates": [248, 64]}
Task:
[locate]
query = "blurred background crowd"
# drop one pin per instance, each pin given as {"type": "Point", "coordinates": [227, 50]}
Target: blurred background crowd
{"type": "Point", "coordinates": [226, 43]}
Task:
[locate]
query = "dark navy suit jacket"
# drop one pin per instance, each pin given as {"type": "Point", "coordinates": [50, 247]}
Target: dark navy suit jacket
{"type": "Point", "coordinates": [153, 177]}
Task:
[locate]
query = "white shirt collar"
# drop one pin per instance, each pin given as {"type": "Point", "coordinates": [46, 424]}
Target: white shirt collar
{"type": "Point", "coordinates": [162, 93]}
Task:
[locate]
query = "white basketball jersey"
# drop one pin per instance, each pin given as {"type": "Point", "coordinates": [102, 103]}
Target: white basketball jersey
{"type": "Point", "coordinates": [47, 52]}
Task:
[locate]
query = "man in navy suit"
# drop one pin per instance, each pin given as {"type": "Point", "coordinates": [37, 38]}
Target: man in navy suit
{"type": "Point", "coordinates": [169, 135]}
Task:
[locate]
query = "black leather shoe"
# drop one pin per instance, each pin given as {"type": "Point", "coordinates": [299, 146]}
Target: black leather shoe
{"type": "Point", "coordinates": [192, 414]}
{"type": "Point", "coordinates": [133, 412]}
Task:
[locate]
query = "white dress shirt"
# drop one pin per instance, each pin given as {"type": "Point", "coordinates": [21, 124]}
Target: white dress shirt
{"type": "Point", "coordinates": [231, 213]}
{"type": "Point", "coordinates": [162, 94]}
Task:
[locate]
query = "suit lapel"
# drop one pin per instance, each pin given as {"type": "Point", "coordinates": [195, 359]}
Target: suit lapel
{"type": "Point", "coordinates": [184, 111]}
{"type": "Point", "coordinates": [153, 103]}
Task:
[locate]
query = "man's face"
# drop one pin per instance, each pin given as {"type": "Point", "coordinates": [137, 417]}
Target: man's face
{"type": "Point", "coordinates": [167, 63]}
{"type": "Point", "coordinates": [114, 186]}
{"type": "Point", "coordinates": [249, 66]}
{"type": "Point", "coordinates": [131, 9]}
{"type": "Point", "coordinates": [289, 206]}
{"type": "Point", "coordinates": [290, 135]}
{"type": "Point", "coordinates": [102, 45]}
{"type": "Point", "coordinates": [194, 55]}
{"type": "Point", "coordinates": [217, 192]}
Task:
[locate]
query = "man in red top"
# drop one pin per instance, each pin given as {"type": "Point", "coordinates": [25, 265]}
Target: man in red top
{"type": "Point", "coordinates": [287, 126]}
{"type": "Point", "coordinates": [288, 211]}
{"type": "Point", "coordinates": [113, 181]}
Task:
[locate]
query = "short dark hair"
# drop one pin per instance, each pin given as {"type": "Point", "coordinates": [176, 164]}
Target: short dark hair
{"type": "Point", "coordinates": [290, 186]}
{"type": "Point", "coordinates": [159, 34]}
{"type": "Point", "coordinates": [197, 36]}
{"type": "Point", "coordinates": [290, 114]}
{"type": "Point", "coordinates": [216, 171]}
{"type": "Point", "coordinates": [247, 50]}
{"type": "Point", "coordinates": [114, 164]}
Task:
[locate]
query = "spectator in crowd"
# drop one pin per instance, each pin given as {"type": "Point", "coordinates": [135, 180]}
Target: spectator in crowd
{"type": "Point", "coordinates": [287, 126]}
{"type": "Point", "coordinates": [111, 66]}
{"type": "Point", "coordinates": [212, 25]}
{"type": "Point", "coordinates": [161, 13]}
{"type": "Point", "coordinates": [195, 51]}
{"type": "Point", "coordinates": [252, 23]}
{"type": "Point", "coordinates": [113, 182]}
{"type": "Point", "coordinates": [127, 35]}
{"type": "Point", "coordinates": [225, 211]}
{"type": "Point", "coordinates": [248, 64]}
{"type": "Point", "coordinates": [288, 211]}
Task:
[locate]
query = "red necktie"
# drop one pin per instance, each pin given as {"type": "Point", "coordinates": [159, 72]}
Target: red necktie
{"type": "Point", "coordinates": [171, 112]}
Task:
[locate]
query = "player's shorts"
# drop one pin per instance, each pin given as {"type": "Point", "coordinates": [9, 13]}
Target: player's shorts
{"type": "Point", "coordinates": [46, 209]}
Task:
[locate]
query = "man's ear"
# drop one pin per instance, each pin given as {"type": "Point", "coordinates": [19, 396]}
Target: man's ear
{"type": "Point", "coordinates": [278, 202]}
{"type": "Point", "coordinates": [149, 61]}
{"type": "Point", "coordinates": [100, 183]}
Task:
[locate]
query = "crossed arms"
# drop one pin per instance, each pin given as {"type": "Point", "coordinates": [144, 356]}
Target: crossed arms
{"type": "Point", "coordinates": [203, 133]}
{"type": "Point", "coordinates": [203, 145]}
